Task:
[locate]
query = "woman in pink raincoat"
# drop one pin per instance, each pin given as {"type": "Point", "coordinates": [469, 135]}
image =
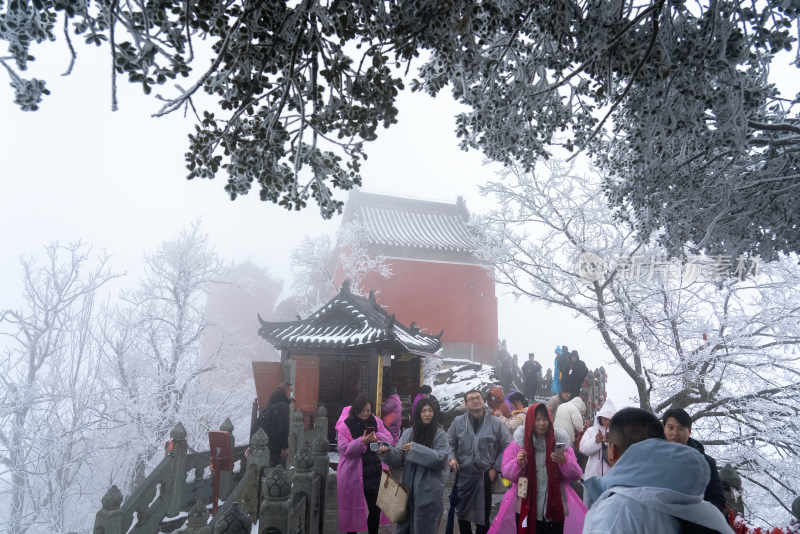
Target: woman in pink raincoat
{"type": "Point", "coordinates": [562, 515]}
{"type": "Point", "coordinates": [358, 475]}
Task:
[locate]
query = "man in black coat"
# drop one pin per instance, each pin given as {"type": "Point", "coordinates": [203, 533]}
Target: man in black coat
{"type": "Point", "coordinates": [573, 375]}
{"type": "Point", "coordinates": [531, 372]}
{"type": "Point", "coordinates": [275, 423]}
{"type": "Point", "coordinates": [677, 428]}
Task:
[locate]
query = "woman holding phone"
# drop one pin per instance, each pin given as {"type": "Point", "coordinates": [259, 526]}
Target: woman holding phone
{"type": "Point", "coordinates": [358, 475]}
{"type": "Point", "coordinates": [539, 454]}
{"type": "Point", "coordinates": [422, 453]}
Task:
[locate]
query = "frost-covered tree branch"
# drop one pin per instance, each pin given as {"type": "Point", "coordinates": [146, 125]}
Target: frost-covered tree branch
{"type": "Point", "coordinates": [50, 383]}
{"type": "Point", "coordinates": [691, 334]}
{"type": "Point", "coordinates": [673, 99]}
{"type": "Point", "coordinates": [152, 347]}
{"type": "Point", "coordinates": [313, 263]}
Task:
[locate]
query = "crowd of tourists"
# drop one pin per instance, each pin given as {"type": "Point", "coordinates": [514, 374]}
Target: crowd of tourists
{"type": "Point", "coordinates": [642, 474]}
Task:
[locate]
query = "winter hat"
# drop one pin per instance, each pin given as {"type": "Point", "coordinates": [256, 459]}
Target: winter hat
{"type": "Point", "coordinates": [391, 391]}
{"type": "Point", "coordinates": [561, 435]}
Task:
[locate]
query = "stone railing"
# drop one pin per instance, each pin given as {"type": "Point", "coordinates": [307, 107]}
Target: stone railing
{"type": "Point", "coordinates": [178, 489]}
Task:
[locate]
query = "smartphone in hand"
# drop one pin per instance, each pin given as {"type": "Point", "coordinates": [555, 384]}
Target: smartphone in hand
{"type": "Point", "coordinates": [561, 446]}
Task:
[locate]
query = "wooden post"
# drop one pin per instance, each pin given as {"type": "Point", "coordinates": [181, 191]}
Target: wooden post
{"type": "Point", "coordinates": [379, 396]}
{"type": "Point", "coordinates": [221, 460]}
{"type": "Point", "coordinates": [226, 477]}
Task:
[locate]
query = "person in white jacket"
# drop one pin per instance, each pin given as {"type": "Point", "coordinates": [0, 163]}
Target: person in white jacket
{"type": "Point", "coordinates": [569, 417]}
{"type": "Point", "coordinates": [595, 442]}
{"type": "Point", "coordinates": [655, 486]}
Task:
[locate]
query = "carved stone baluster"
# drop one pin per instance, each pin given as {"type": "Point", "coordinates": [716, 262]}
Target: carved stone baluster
{"type": "Point", "coordinates": [303, 483]}
{"type": "Point", "coordinates": [274, 511]}
{"type": "Point", "coordinates": [322, 421]}
{"type": "Point", "coordinates": [197, 522]}
{"type": "Point", "coordinates": [319, 450]}
{"type": "Point", "coordinates": [233, 521]}
{"type": "Point", "coordinates": [176, 481]}
{"type": "Point", "coordinates": [258, 457]}
{"type": "Point", "coordinates": [109, 519]}
{"type": "Point", "coordinates": [296, 435]}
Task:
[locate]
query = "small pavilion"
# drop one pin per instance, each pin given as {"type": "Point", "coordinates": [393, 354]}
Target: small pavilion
{"type": "Point", "coordinates": [351, 345]}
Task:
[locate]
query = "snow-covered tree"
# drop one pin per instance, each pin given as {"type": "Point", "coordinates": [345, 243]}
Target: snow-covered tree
{"type": "Point", "coordinates": [152, 348]}
{"type": "Point", "coordinates": [355, 259]}
{"type": "Point", "coordinates": [702, 144]}
{"type": "Point", "coordinates": [313, 262]}
{"type": "Point", "coordinates": [49, 408]}
{"type": "Point", "coordinates": [689, 334]}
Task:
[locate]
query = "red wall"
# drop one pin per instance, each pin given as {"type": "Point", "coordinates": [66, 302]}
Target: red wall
{"type": "Point", "coordinates": [457, 298]}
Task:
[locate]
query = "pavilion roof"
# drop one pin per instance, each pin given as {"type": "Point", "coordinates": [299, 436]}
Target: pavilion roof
{"type": "Point", "coordinates": [350, 323]}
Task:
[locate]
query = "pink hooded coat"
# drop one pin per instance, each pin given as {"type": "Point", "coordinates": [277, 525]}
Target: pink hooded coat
{"type": "Point", "coordinates": [349, 483]}
{"type": "Point", "coordinates": [575, 510]}
{"type": "Point", "coordinates": [392, 416]}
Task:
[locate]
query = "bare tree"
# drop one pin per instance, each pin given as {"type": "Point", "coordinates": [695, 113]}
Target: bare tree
{"type": "Point", "coordinates": [313, 262]}
{"type": "Point", "coordinates": [704, 333]}
{"type": "Point", "coordinates": [48, 408]}
{"type": "Point", "coordinates": [152, 346]}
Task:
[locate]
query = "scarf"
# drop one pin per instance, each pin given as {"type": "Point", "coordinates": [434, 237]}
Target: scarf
{"type": "Point", "coordinates": [357, 426]}
{"type": "Point", "coordinates": [554, 507]}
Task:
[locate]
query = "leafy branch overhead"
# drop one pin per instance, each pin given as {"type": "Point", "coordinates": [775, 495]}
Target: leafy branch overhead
{"type": "Point", "coordinates": [671, 99]}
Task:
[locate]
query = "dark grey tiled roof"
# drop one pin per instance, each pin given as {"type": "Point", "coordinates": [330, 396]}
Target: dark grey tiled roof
{"type": "Point", "coordinates": [411, 223]}
{"type": "Point", "coordinates": [349, 322]}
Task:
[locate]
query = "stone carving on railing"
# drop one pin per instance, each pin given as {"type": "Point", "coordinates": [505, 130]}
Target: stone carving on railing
{"type": "Point", "coordinates": [280, 502]}
{"type": "Point", "coordinates": [305, 482]}
{"type": "Point", "coordinates": [197, 520]}
{"type": "Point", "coordinates": [319, 453]}
{"type": "Point", "coordinates": [234, 520]}
{"type": "Point", "coordinates": [274, 511]}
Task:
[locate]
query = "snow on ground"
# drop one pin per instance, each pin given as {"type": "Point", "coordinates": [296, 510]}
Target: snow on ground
{"type": "Point", "coordinates": [453, 382]}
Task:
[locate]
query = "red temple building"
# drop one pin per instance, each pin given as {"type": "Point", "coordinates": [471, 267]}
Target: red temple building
{"type": "Point", "coordinates": [437, 281]}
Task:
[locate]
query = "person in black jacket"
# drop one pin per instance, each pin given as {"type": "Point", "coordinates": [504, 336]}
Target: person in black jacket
{"type": "Point", "coordinates": [573, 375]}
{"type": "Point", "coordinates": [531, 372]}
{"type": "Point", "coordinates": [678, 428]}
{"type": "Point", "coordinates": [275, 423]}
